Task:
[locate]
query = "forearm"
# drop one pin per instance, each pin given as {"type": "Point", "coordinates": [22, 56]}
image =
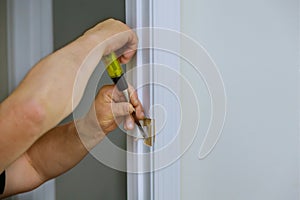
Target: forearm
{"type": "Point", "coordinates": [51, 83]}
{"type": "Point", "coordinates": [57, 82]}
{"type": "Point", "coordinates": [64, 146]}
{"type": "Point", "coordinates": [56, 152]}
{"type": "Point", "coordinates": [44, 97]}
{"type": "Point", "coordinates": [54, 87]}
{"type": "Point", "coordinates": [61, 148]}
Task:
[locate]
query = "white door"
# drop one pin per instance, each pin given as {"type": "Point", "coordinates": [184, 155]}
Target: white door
{"type": "Point", "coordinates": [256, 47]}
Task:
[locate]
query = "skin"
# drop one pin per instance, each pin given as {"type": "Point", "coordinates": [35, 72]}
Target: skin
{"type": "Point", "coordinates": [33, 149]}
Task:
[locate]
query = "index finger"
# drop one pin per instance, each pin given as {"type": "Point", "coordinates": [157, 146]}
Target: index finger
{"type": "Point", "coordinates": [136, 103]}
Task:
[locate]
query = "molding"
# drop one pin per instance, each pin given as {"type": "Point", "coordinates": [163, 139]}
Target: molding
{"type": "Point", "coordinates": [140, 185]}
{"type": "Point", "coordinates": [153, 13]}
{"type": "Point", "coordinates": [29, 38]}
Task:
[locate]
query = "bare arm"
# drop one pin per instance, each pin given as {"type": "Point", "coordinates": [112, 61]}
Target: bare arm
{"type": "Point", "coordinates": [45, 96]}
{"type": "Point", "coordinates": [50, 150]}
{"type": "Point", "coordinates": [63, 147]}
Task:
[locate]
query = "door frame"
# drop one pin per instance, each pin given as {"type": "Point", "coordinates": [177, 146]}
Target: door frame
{"type": "Point", "coordinates": [140, 185]}
{"type": "Point", "coordinates": [153, 185]}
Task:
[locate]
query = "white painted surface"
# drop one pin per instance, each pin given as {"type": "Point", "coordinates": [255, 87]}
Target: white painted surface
{"type": "Point", "coordinates": [166, 15]}
{"type": "Point", "coordinates": [139, 185]}
{"type": "Point", "coordinates": [256, 47]}
{"type": "Point", "coordinates": [152, 13]}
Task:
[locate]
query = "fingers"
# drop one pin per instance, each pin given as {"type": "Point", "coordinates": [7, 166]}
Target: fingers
{"type": "Point", "coordinates": [129, 123]}
{"type": "Point", "coordinates": [125, 54]}
{"type": "Point", "coordinates": [129, 49]}
{"type": "Point", "coordinates": [111, 108]}
{"type": "Point", "coordinates": [115, 36]}
{"type": "Point", "coordinates": [118, 102]}
{"type": "Point", "coordinates": [122, 109]}
{"type": "Point", "coordinates": [111, 94]}
{"type": "Point", "coordinates": [120, 38]}
{"type": "Point", "coordinates": [118, 96]}
{"type": "Point", "coordinates": [136, 103]}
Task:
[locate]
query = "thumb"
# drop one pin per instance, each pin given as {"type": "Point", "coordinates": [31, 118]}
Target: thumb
{"type": "Point", "coordinates": [121, 109]}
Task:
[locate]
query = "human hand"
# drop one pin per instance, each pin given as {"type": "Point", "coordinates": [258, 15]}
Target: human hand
{"type": "Point", "coordinates": [107, 112]}
{"type": "Point", "coordinates": [116, 36]}
{"type": "Point", "coordinates": [111, 108]}
{"type": "Point", "coordinates": [79, 59]}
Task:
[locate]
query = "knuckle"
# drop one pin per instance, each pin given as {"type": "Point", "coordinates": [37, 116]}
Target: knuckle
{"type": "Point", "coordinates": [125, 108]}
{"type": "Point", "coordinates": [111, 19]}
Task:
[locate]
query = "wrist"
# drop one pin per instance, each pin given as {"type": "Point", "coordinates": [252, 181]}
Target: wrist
{"type": "Point", "coordinates": [89, 132]}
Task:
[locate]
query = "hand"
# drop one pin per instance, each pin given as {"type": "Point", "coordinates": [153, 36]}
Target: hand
{"type": "Point", "coordinates": [117, 37]}
{"type": "Point", "coordinates": [112, 108]}
{"type": "Point", "coordinates": [78, 60]}
{"type": "Point", "coordinates": [108, 110]}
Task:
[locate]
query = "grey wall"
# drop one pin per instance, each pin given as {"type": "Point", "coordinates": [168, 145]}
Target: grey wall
{"type": "Point", "coordinates": [3, 52]}
{"type": "Point", "coordinates": [255, 44]}
{"type": "Point", "coordinates": [90, 179]}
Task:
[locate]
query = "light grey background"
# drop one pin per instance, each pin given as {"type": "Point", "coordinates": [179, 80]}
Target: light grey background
{"type": "Point", "coordinates": [90, 179]}
{"type": "Point", "coordinates": [256, 47]}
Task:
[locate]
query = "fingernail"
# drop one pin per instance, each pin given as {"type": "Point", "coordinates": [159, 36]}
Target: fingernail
{"type": "Point", "coordinates": [129, 125]}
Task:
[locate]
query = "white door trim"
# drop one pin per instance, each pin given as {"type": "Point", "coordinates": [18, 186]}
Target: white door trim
{"type": "Point", "coordinates": [30, 37]}
{"type": "Point", "coordinates": [140, 185]}
{"type": "Point", "coordinates": [164, 14]}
